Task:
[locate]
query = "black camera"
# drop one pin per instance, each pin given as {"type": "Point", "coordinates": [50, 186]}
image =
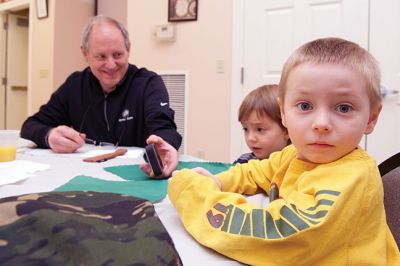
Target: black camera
{"type": "Point", "coordinates": [152, 157]}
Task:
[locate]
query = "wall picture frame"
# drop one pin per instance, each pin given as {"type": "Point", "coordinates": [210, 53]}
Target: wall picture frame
{"type": "Point", "coordinates": [182, 10]}
{"type": "Point", "coordinates": [41, 9]}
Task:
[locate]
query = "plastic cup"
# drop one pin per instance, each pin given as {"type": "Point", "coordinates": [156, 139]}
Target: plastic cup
{"type": "Point", "coordinates": [8, 145]}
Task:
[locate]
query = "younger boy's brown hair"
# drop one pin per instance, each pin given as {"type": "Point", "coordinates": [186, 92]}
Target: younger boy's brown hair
{"type": "Point", "coordinates": [264, 101]}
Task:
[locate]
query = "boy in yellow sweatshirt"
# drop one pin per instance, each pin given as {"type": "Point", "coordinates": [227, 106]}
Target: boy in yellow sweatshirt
{"type": "Point", "coordinates": [326, 197]}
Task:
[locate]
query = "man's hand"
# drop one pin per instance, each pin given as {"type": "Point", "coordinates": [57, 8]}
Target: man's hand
{"type": "Point", "coordinates": [63, 139]}
{"type": "Point", "coordinates": [168, 155]}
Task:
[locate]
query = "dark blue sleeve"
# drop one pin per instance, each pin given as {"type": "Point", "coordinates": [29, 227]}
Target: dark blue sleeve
{"type": "Point", "coordinates": [159, 117]}
{"type": "Point", "coordinates": [52, 114]}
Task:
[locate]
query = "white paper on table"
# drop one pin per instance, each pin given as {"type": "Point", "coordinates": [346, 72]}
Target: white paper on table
{"type": "Point", "coordinates": [135, 154]}
{"type": "Point", "coordinates": [14, 171]}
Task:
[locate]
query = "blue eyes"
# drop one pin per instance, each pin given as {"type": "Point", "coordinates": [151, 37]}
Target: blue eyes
{"type": "Point", "coordinates": [303, 106]}
{"type": "Point", "coordinates": [341, 108]}
{"type": "Point", "coordinates": [344, 108]}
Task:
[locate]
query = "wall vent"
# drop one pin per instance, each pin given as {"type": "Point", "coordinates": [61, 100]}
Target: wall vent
{"type": "Point", "coordinates": [176, 83]}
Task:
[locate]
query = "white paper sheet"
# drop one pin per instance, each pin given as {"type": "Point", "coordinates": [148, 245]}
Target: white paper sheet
{"type": "Point", "coordinates": [17, 170]}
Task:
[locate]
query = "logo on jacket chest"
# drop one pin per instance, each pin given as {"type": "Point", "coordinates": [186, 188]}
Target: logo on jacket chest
{"type": "Point", "coordinates": [125, 116]}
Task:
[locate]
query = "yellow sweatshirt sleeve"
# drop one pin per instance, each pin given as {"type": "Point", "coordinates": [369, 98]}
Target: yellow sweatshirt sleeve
{"type": "Point", "coordinates": [326, 215]}
{"type": "Point", "coordinates": [255, 175]}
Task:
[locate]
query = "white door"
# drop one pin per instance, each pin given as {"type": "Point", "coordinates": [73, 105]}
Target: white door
{"type": "Point", "coordinates": [16, 71]}
{"type": "Point", "coordinates": [274, 28]}
{"type": "Point", "coordinates": [385, 46]}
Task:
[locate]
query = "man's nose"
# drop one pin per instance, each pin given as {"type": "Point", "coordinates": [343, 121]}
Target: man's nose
{"type": "Point", "coordinates": [110, 63]}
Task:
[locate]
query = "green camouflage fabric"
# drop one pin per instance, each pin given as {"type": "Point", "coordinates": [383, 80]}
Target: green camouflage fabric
{"type": "Point", "coordinates": [82, 228]}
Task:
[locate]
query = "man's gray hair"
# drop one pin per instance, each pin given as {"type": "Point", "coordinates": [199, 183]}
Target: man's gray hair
{"type": "Point", "coordinates": [103, 19]}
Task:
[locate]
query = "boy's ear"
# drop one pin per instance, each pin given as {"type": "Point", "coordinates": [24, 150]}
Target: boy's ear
{"type": "Point", "coordinates": [282, 112]}
{"type": "Point", "coordinates": [373, 119]}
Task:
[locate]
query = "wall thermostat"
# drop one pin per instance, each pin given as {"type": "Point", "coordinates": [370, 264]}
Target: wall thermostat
{"type": "Point", "coordinates": [165, 33]}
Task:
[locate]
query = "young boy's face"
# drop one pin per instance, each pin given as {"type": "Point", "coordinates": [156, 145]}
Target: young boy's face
{"type": "Point", "coordinates": [326, 111]}
{"type": "Point", "coordinates": [263, 135]}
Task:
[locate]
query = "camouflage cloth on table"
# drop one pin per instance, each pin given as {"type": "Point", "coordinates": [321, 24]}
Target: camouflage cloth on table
{"type": "Point", "coordinates": [82, 228]}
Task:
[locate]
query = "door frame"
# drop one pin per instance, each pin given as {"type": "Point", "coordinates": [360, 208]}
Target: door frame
{"type": "Point", "coordinates": [5, 8]}
{"type": "Point", "coordinates": [236, 135]}
{"type": "Point", "coordinates": [2, 73]}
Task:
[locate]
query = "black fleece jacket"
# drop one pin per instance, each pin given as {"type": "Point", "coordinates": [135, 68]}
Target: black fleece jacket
{"type": "Point", "coordinates": [137, 108]}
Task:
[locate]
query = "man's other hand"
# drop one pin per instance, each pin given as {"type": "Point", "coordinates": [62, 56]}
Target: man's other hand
{"type": "Point", "coordinates": [63, 139]}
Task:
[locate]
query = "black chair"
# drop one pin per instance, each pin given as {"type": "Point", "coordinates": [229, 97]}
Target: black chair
{"type": "Point", "coordinates": [390, 172]}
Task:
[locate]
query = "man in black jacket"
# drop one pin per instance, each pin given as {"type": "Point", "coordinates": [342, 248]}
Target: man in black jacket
{"type": "Point", "coordinates": [109, 102]}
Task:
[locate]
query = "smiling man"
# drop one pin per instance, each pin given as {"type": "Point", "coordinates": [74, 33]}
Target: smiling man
{"type": "Point", "coordinates": [111, 102]}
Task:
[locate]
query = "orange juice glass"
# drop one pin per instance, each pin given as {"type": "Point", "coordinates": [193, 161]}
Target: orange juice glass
{"type": "Point", "coordinates": [8, 145]}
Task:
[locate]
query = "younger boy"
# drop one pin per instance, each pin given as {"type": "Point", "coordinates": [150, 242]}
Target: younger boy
{"type": "Point", "coordinates": [326, 197]}
{"type": "Point", "coordinates": [262, 123]}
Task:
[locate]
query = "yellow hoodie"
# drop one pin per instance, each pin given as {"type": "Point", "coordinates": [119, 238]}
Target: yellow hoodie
{"type": "Point", "coordinates": [319, 214]}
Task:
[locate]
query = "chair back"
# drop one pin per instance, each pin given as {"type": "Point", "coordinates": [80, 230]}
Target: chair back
{"type": "Point", "coordinates": [390, 172]}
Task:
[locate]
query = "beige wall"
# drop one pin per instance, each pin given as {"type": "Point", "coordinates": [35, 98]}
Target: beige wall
{"type": "Point", "coordinates": [116, 9]}
{"type": "Point", "coordinates": [67, 37]}
{"type": "Point", "coordinates": [40, 59]}
{"type": "Point", "coordinates": [198, 46]}
{"type": "Point", "coordinates": [55, 47]}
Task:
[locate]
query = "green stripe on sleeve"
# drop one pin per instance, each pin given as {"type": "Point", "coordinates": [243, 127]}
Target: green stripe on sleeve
{"type": "Point", "coordinates": [272, 233]}
{"type": "Point", "coordinates": [293, 218]}
{"type": "Point", "coordinates": [322, 202]}
{"type": "Point", "coordinates": [258, 223]}
{"type": "Point", "coordinates": [317, 215]}
{"type": "Point", "coordinates": [284, 228]}
{"type": "Point", "coordinates": [237, 221]}
{"type": "Point", "coordinates": [246, 231]}
{"type": "Point", "coordinates": [296, 210]}
{"type": "Point", "coordinates": [225, 226]}
{"type": "Point", "coordinates": [329, 192]}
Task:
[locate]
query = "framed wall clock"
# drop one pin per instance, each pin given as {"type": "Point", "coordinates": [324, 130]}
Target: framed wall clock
{"type": "Point", "coordinates": [182, 10]}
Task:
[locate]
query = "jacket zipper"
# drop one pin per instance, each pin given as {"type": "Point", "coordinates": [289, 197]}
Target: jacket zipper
{"type": "Point", "coordinates": [105, 111]}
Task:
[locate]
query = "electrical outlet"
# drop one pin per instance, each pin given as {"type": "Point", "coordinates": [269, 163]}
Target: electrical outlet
{"type": "Point", "coordinates": [220, 66]}
{"type": "Point", "coordinates": [43, 73]}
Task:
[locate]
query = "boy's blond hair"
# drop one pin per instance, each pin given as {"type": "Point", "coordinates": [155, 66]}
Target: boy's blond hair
{"type": "Point", "coordinates": [340, 52]}
{"type": "Point", "coordinates": [264, 101]}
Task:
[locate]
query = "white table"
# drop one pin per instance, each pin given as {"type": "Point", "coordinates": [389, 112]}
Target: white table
{"type": "Point", "coordinates": [64, 167]}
